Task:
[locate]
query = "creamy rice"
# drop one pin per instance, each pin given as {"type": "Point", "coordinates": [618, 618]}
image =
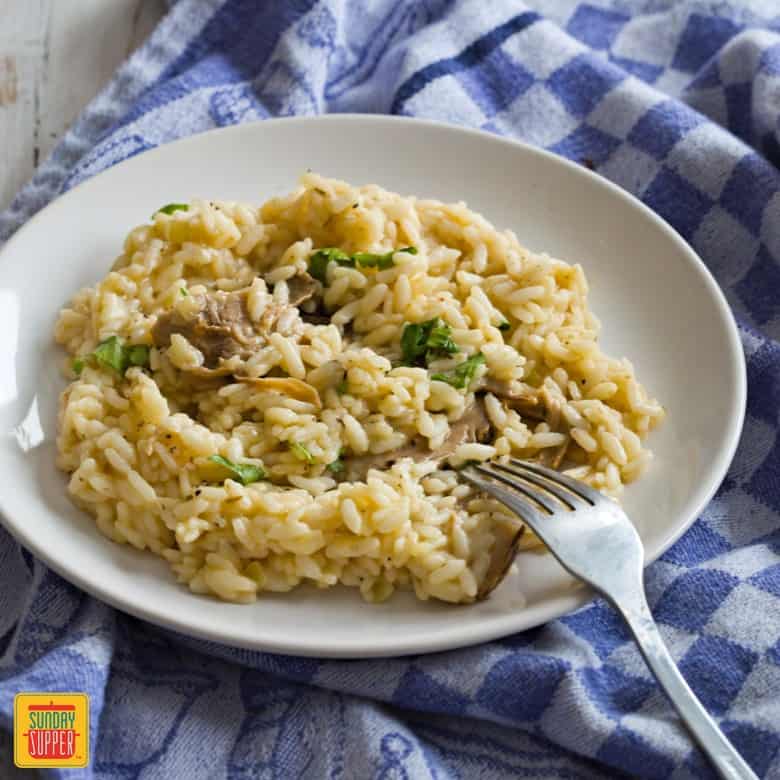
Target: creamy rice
{"type": "Point", "coordinates": [139, 446]}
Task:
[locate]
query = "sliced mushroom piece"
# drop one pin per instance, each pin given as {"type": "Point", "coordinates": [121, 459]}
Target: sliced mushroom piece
{"type": "Point", "coordinates": [503, 388]}
{"type": "Point", "coordinates": [301, 288]}
{"type": "Point", "coordinates": [473, 425]}
{"type": "Point", "coordinates": [293, 388]}
{"type": "Point", "coordinates": [218, 325]}
{"type": "Point", "coordinates": [525, 400]}
{"type": "Point", "coordinates": [502, 556]}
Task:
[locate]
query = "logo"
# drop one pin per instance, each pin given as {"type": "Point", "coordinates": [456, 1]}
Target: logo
{"type": "Point", "coordinates": [51, 730]}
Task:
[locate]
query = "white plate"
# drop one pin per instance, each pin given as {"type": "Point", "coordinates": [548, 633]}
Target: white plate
{"type": "Point", "coordinates": [658, 305]}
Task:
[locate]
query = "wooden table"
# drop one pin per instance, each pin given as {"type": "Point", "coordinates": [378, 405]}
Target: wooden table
{"type": "Point", "coordinates": [55, 55]}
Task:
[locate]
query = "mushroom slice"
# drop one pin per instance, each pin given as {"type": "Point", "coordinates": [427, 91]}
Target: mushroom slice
{"type": "Point", "coordinates": [294, 388]}
{"type": "Point", "coordinates": [218, 325]}
{"type": "Point", "coordinates": [502, 556]}
{"type": "Point", "coordinates": [472, 425]}
{"type": "Point", "coordinates": [301, 288]}
{"type": "Point", "coordinates": [525, 400]}
{"type": "Point", "coordinates": [509, 391]}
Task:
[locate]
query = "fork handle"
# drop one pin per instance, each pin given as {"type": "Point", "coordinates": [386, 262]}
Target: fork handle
{"type": "Point", "coordinates": [727, 762]}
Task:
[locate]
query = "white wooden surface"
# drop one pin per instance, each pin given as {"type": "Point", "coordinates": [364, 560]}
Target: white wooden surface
{"type": "Point", "coordinates": [55, 55]}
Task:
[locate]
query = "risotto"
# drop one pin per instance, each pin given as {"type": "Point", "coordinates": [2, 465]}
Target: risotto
{"type": "Point", "coordinates": [282, 395]}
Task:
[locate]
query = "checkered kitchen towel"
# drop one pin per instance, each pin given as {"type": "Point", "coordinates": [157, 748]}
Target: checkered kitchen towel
{"type": "Point", "coordinates": [678, 102]}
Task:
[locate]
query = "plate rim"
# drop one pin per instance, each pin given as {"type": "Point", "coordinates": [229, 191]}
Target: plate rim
{"type": "Point", "coordinates": [467, 634]}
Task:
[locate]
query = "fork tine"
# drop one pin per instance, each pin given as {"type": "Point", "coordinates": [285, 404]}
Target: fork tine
{"type": "Point", "coordinates": [514, 501]}
{"type": "Point", "coordinates": [564, 496]}
{"type": "Point", "coordinates": [587, 493]}
{"type": "Point", "coordinates": [489, 470]}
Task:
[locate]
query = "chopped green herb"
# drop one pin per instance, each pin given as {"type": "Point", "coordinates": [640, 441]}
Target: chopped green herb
{"type": "Point", "coordinates": [319, 260]}
{"type": "Point", "coordinates": [413, 343]}
{"type": "Point", "coordinates": [504, 325]}
{"type": "Point", "coordinates": [77, 365]}
{"type": "Point", "coordinates": [137, 355]}
{"type": "Point", "coordinates": [462, 375]}
{"type": "Point", "coordinates": [183, 292]}
{"type": "Point", "coordinates": [111, 353]}
{"type": "Point", "coordinates": [425, 341]}
{"type": "Point", "coordinates": [371, 260]}
{"type": "Point", "coordinates": [321, 192]}
{"type": "Point", "coordinates": [245, 472]}
{"type": "Point", "coordinates": [355, 205]}
{"type": "Point", "coordinates": [169, 208]}
{"type": "Point", "coordinates": [336, 467]}
{"type": "Point", "coordinates": [342, 387]}
{"type": "Point", "coordinates": [439, 339]}
{"type": "Point", "coordinates": [301, 452]}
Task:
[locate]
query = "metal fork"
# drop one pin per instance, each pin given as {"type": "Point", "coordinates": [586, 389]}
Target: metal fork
{"type": "Point", "coordinates": [593, 539]}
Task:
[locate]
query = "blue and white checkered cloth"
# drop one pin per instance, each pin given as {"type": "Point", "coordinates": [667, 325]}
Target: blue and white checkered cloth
{"type": "Point", "coordinates": [678, 102]}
